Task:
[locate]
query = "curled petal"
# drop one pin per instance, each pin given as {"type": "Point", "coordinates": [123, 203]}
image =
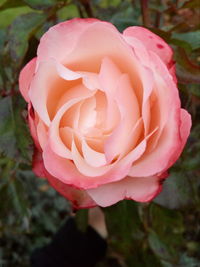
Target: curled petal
{"type": "Point", "coordinates": [25, 78]}
{"type": "Point", "coordinates": [142, 189]}
{"type": "Point", "coordinates": [79, 198]}
{"type": "Point", "coordinates": [152, 42]}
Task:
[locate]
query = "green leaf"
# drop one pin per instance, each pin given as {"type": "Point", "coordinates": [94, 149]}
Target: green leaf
{"type": "Point", "coordinates": [158, 247]}
{"type": "Point", "coordinates": [12, 190]}
{"type": "Point", "coordinates": [125, 18]}
{"type": "Point", "coordinates": [3, 37]}
{"type": "Point", "coordinates": [82, 219]}
{"type": "Point", "coordinates": [20, 32]}
{"type": "Point", "coordinates": [180, 43]}
{"type": "Point", "coordinates": [15, 139]}
{"type": "Point", "coordinates": [187, 71]}
{"type": "Point", "coordinates": [125, 228]}
{"type": "Point", "coordinates": [8, 15]}
{"type": "Point", "coordinates": [195, 90]}
{"type": "Point", "coordinates": [19, 198]}
{"type": "Point", "coordinates": [2, 40]}
{"type": "Point", "coordinates": [187, 261]}
{"type": "Point", "coordinates": [22, 134]}
{"type": "Point", "coordinates": [192, 38]}
{"type": "Point", "coordinates": [38, 4]}
{"type": "Point", "coordinates": [177, 192]}
{"type": "Point", "coordinates": [67, 12]}
{"type": "Point", "coordinates": [171, 228]}
{"type": "Point", "coordinates": [7, 140]}
{"type": "Point", "coordinates": [2, 2]}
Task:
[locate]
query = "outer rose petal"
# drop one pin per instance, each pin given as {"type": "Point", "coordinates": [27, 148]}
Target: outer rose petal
{"type": "Point", "coordinates": [53, 42]}
{"type": "Point", "coordinates": [142, 189]}
{"type": "Point", "coordinates": [32, 125]}
{"type": "Point", "coordinates": [25, 78]}
{"type": "Point", "coordinates": [169, 145]}
{"type": "Point", "coordinates": [37, 164]}
{"type": "Point", "coordinates": [79, 198]}
{"type": "Point", "coordinates": [185, 127]}
{"type": "Point", "coordinates": [152, 42]}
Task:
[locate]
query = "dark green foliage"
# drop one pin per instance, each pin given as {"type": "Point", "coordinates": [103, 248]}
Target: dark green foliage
{"type": "Point", "coordinates": [20, 32]}
{"type": "Point", "coordinates": [164, 232]}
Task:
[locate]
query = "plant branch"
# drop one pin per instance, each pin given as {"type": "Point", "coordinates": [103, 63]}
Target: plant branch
{"type": "Point", "coordinates": [145, 13]}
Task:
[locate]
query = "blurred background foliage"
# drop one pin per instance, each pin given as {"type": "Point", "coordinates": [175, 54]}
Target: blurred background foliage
{"type": "Point", "coordinates": [165, 232]}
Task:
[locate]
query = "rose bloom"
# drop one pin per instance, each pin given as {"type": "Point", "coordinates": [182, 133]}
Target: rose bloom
{"type": "Point", "coordinates": [104, 112]}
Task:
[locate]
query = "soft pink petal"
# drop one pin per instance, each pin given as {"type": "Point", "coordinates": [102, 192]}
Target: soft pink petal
{"type": "Point", "coordinates": [138, 151]}
{"type": "Point", "coordinates": [91, 156]}
{"type": "Point", "coordinates": [185, 127]}
{"type": "Point", "coordinates": [152, 42]}
{"type": "Point", "coordinates": [42, 82]}
{"type": "Point", "coordinates": [32, 122]}
{"type": "Point", "coordinates": [158, 159]}
{"type": "Point", "coordinates": [164, 149]}
{"type": "Point", "coordinates": [37, 164]}
{"type": "Point", "coordinates": [140, 189]}
{"type": "Point", "coordinates": [101, 109]}
{"type": "Point", "coordinates": [72, 93]}
{"type": "Point", "coordinates": [139, 49]}
{"type": "Point", "coordinates": [66, 73]}
{"type": "Point", "coordinates": [133, 137]}
{"type": "Point", "coordinates": [86, 169]}
{"type": "Point", "coordinates": [126, 100]}
{"type": "Point", "coordinates": [87, 118]}
{"type": "Point", "coordinates": [109, 76]}
{"type": "Point", "coordinates": [90, 80]}
{"type": "Point", "coordinates": [48, 86]}
{"type": "Point", "coordinates": [66, 135]}
{"type": "Point", "coordinates": [85, 49]}
{"type": "Point", "coordinates": [25, 78]}
{"type": "Point", "coordinates": [42, 133]}
{"type": "Point", "coordinates": [53, 42]}
{"type": "Point", "coordinates": [165, 95]}
{"type": "Point", "coordinates": [65, 170]}
{"type": "Point", "coordinates": [129, 109]}
{"type": "Point", "coordinates": [172, 70]}
{"type": "Point", "coordinates": [54, 138]}
{"type": "Point", "coordinates": [146, 76]}
{"type": "Point", "coordinates": [79, 198]}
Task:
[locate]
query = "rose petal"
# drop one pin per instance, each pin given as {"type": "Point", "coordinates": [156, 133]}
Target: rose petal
{"type": "Point", "coordinates": [37, 164]}
{"type": "Point", "coordinates": [92, 157]}
{"type": "Point", "coordinates": [79, 198]}
{"type": "Point", "coordinates": [32, 122]}
{"type": "Point", "coordinates": [53, 42]}
{"type": "Point", "coordinates": [42, 90]}
{"type": "Point", "coordinates": [42, 133]}
{"type": "Point", "coordinates": [55, 141]}
{"type": "Point", "coordinates": [128, 106]}
{"type": "Point", "coordinates": [152, 42]}
{"type": "Point", "coordinates": [25, 78]}
{"type": "Point", "coordinates": [158, 159]}
{"type": "Point", "coordinates": [140, 189]}
{"type": "Point", "coordinates": [66, 171]}
{"type": "Point", "coordinates": [84, 167]}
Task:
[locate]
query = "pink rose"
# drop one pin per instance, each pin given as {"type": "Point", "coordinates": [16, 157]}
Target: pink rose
{"type": "Point", "coordinates": [104, 112]}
